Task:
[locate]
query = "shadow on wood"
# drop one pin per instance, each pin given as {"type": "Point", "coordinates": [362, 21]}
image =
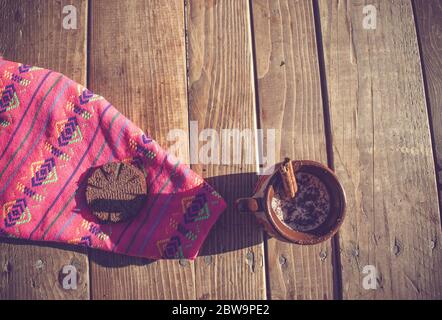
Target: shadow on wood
{"type": "Point", "coordinates": [116, 260]}
{"type": "Point", "coordinates": [55, 245]}
{"type": "Point", "coordinates": [233, 230]}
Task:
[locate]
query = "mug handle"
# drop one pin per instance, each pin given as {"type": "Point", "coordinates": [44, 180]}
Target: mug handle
{"type": "Point", "coordinates": [249, 204]}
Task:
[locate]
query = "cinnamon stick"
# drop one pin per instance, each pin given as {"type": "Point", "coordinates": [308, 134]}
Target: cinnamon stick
{"type": "Point", "coordinates": [288, 178]}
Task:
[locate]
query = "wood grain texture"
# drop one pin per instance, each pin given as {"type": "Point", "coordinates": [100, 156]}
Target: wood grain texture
{"type": "Point", "coordinates": [138, 62]}
{"type": "Point", "coordinates": [31, 32]}
{"type": "Point", "coordinates": [290, 101]}
{"type": "Point", "coordinates": [429, 27]}
{"type": "Point", "coordinates": [382, 151]}
{"type": "Point", "coordinates": [221, 96]}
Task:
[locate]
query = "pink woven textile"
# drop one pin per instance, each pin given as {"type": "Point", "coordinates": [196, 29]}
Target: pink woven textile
{"type": "Point", "coordinates": [52, 131]}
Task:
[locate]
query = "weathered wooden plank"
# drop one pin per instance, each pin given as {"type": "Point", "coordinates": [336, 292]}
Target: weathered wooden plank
{"type": "Point", "coordinates": [32, 32]}
{"type": "Point", "coordinates": [221, 96]}
{"type": "Point", "coordinates": [429, 27]}
{"type": "Point", "coordinates": [289, 91]}
{"type": "Point", "coordinates": [382, 150]}
{"type": "Point", "coordinates": [137, 61]}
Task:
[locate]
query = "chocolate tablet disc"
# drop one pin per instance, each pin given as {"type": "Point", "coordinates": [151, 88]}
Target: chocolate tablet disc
{"type": "Point", "coordinates": [116, 192]}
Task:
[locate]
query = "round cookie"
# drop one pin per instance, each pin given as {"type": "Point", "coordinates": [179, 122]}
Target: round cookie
{"type": "Point", "coordinates": [116, 192]}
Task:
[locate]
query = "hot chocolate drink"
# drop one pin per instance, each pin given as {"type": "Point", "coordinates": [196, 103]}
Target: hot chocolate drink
{"type": "Point", "coordinates": [308, 209]}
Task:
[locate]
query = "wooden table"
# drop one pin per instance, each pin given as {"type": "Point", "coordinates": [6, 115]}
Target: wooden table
{"type": "Point", "coordinates": [367, 102]}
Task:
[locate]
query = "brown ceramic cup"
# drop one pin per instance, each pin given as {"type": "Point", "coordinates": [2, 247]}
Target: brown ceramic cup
{"type": "Point", "coordinates": [260, 205]}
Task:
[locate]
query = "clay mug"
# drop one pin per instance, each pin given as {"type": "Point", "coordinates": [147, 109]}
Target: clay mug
{"type": "Point", "coordinates": [260, 205]}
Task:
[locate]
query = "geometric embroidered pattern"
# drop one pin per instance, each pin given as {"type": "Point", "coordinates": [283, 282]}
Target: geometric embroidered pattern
{"type": "Point", "coordinates": [140, 149]}
{"type": "Point", "coordinates": [29, 192]}
{"type": "Point", "coordinates": [43, 172]}
{"type": "Point", "coordinates": [195, 209]}
{"type": "Point", "coordinates": [85, 96]}
{"type": "Point", "coordinates": [68, 131]}
{"type": "Point", "coordinates": [16, 78]}
{"type": "Point", "coordinates": [4, 123]}
{"type": "Point", "coordinates": [16, 213]}
{"type": "Point", "coordinates": [145, 139]}
{"type": "Point", "coordinates": [182, 229]}
{"type": "Point", "coordinates": [186, 233]}
{"type": "Point", "coordinates": [56, 152]}
{"type": "Point", "coordinates": [94, 229]}
{"type": "Point", "coordinates": [170, 249]}
{"type": "Point", "coordinates": [85, 241]}
{"type": "Point", "coordinates": [9, 99]}
{"type": "Point", "coordinates": [78, 110]}
{"type": "Point", "coordinates": [173, 223]}
{"type": "Point", "coordinates": [24, 68]}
